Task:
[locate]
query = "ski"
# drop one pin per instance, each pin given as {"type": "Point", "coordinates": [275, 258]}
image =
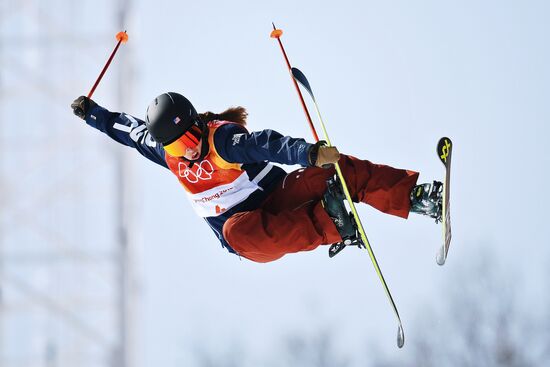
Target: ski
{"type": "Point", "coordinates": [299, 77]}
{"type": "Point", "coordinates": [445, 152]}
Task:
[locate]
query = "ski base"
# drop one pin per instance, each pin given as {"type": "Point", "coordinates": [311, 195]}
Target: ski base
{"type": "Point", "coordinates": [444, 152]}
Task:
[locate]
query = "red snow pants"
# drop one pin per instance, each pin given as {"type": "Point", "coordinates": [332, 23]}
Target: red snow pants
{"type": "Point", "coordinates": [292, 218]}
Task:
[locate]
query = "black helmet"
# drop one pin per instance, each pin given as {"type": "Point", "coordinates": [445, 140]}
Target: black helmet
{"type": "Point", "coordinates": [169, 116]}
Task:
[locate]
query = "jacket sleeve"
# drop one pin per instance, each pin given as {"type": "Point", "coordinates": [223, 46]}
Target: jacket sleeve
{"type": "Point", "coordinates": [236, 145]}
{"type": "Point", "coordinates": [127, 130]}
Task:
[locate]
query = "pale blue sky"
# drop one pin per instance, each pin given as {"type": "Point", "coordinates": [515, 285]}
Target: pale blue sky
{"type": "Point", "coordinates": [390, 79]}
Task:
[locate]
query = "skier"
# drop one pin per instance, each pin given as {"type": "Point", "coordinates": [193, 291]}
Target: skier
{"type": "Point", "coordinates": [256, 209]}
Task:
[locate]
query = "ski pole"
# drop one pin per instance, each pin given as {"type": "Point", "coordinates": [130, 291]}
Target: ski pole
{"type": "Point", "coordinates": [122, 37]}
{"type": "Point", "coordinates": [299, 77]}
{"type": "Point", "coordinates": [276, 33]}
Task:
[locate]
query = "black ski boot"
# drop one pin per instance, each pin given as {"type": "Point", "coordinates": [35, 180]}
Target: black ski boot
{"type": "Point", "coordinates": [427, 199]}
{"type": "Point", "coordinates": [333, 202]}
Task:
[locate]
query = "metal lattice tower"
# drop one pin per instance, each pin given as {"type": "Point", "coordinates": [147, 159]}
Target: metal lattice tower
{"type": "Point", "coordinates": [65, 263]}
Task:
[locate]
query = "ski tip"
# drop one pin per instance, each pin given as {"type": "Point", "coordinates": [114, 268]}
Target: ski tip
{"type": "Point", "coordinates": [444, 150]}
{"type": "Point", "coordinates": [440, 257]}
{"type": "Point", "coordinates": [301, 78]}
{"type": "Point", "coordinates": [400, 337]}
{"type": "Point", "coordinates": [297, 73]}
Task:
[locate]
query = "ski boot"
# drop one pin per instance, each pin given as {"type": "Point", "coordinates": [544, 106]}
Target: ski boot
{"type": "Point", "coordinates": [427, 199]}
{"type": "Point", "coordinates": [333, 202]}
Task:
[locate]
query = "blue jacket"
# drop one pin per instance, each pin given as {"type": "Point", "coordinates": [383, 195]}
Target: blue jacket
{"type": "Point", "coordinates": [253, 150]}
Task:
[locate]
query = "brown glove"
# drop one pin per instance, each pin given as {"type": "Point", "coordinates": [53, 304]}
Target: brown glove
{"type": "Point", "coordinates": [327, 156]}
{"type": "Point", "coordinates": [322, 156]}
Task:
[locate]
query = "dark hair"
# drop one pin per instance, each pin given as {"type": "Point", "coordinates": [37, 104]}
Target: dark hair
{"type": "Point", "coordinates": [233, 114]}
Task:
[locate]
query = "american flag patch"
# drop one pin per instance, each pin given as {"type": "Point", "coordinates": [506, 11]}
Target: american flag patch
{"type": "Point", "coordinates": [177, 120]}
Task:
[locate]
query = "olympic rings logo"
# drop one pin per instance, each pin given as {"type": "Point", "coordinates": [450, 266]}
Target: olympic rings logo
{"type": "Point", "coordinates": [203, 171]}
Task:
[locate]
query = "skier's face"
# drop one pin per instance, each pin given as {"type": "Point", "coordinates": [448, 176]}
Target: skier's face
{"type": "Point", "coordinates": [194, 153]}
{"type": "Point", "coordinates": [187, 146]}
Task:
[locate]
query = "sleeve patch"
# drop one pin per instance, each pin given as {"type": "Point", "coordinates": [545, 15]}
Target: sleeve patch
{"type": "Point", "coordinates": [237, 138]}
